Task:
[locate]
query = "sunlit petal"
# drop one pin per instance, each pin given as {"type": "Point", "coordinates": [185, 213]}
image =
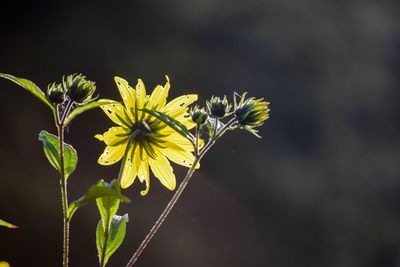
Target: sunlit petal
{"type": "Point", "coordinates": [112, 154]}
{"type": "Point", "coordinates": [127, 95]}
{"type": "Point", "coordinates": [130, 169]}
{"type": "Point", "coordinates": [184, 158]}
{"type": "Point", "coordinates": [116, 112]}
{"type": "Point", "coordinates": [179, 104]}
{"type": "Point", "coordinates": [114, 136]}
{"type": "Point", "coordinates": [144, 175]}
{"type": "Point", "coordinates": [163, 171]}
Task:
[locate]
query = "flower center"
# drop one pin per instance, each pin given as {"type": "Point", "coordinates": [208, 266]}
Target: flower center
{"type": "Point", "coordinates": [140, 130]}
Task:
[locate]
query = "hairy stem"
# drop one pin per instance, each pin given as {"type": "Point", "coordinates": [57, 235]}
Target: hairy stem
{"type": "Point", "coordinates": [178, 193]}
{"type": "Point", "coordinates": [64, 197]}
{"type": "Point", "coordinates": [164, 214]}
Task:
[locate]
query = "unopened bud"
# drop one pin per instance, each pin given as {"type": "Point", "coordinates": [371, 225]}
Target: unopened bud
{"type": "Point", "coordinates": [199, 115]}
{"type": "Point", "coordinates": [79, 89]}
{"type": "Point", "coordinates": [55, 93]}
{"type": "Point", "coordinates": [218, 107]}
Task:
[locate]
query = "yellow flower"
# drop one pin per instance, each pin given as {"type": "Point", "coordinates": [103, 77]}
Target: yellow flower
{"type": "Point", "coordinates": [145, 141]}
{"type": "Point", "coordinates": [4, 264]}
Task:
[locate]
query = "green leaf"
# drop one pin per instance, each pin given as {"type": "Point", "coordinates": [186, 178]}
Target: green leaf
{"type": "Point", "coordinates": [86, 107]}
{"type": "Point", "coordinates": [108, 234]}
{"type": "Point", "coordinates": [99, 190]}
{"type": "Point", "coordinates": [7, 224]}
{"type": "Point", "coordinates": [171, 122]}
{"type": "Point", "coordinates": [51, 146]}
{"type": "Point", "coordinates": [113, 240]}
{"type": "Point", "coordinates": [31, 87]}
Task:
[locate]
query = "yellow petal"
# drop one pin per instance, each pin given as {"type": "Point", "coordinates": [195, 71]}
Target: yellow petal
{"type": "Point", "coordinates": [127, 94]}
{"type": "Point", "coordinates": [116, 112]}
{"type": "Point", "coordinates": [179, 104]}
{"type": "Point", "coordinates": [184, 158]}
{"type": "Point", "coordinates": [185, 119]}
{"type": "Point", "coordinates": [140, 94]}
{"type": "Point", "coordinates": [4, 264]}
{"type": "Point", "coordinates": [130, 170]}
{"type": "Point", "coordinates": [163, 170]}
{"type": "Point", "coordinates": [112, 154]}
{"type": "Point", "coordinates": [144, 174]}
{"type": "Point", "coordinates": [115, 135]}
{"type": "Point", "coordinates": [159, 95]}
{"type": "Point", "coordinates": [177, 142]}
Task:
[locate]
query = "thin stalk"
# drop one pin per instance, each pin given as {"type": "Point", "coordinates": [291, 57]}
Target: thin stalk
{"type": "Point", "coordinates": [164, 214]}
{"type": "Point", "coordinates": [64, 197]}
{"type": "Point", "coordinates": [177, 194]}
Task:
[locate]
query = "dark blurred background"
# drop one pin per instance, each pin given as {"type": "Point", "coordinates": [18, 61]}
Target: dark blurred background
{"type": "Point", "coordinates": [322, 187]}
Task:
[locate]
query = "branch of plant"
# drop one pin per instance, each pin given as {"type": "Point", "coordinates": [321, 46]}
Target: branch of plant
{"type": "Point", "coordinates": [64, 197]}
{"type": "Point", "coordinates": [63, 180]}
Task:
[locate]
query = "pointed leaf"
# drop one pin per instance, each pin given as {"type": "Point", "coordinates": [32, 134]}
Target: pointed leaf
{"type": "Point", "coordinates": [115, 237]}
{"type": "Point", "coordinates": [171, 122]}
{"type": "Point", "coordinates": [86, 107]}
{"type": "Point", "coordinates": [51, 146]}
{"type": "Point", "coordinates": [7, 224]}
{"type": "Point", "coordinates": [107, 205]}
{"type": "Point", "coordinates": [31, 87]}
{"type": "Point", "coordinates": [99, 190]}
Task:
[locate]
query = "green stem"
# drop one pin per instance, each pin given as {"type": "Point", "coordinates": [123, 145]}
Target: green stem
{"type": "Point", "coordinates": [177, 194]}
{"type": "Point", "coordinates": [64, 197]}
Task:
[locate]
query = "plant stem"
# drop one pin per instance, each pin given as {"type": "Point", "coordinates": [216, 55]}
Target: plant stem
{"type": "Point", "coordinates": [178, 193]}
{"type": "Point", "coordinates": [164, 214]}
{"type": "Point", "coordinates": [64, 197]}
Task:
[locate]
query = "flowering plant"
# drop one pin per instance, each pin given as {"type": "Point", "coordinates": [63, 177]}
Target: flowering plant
{"type": "Point", "coordinates": [149, 133]}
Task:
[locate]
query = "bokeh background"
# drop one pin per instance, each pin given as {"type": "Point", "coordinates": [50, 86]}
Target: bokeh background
{"type": "Point", "coordinates": [322, 187]}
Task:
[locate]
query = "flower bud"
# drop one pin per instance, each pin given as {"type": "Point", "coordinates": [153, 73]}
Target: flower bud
{"type": "Point", "coordinates": [78, 88]}
{"type": "Point", "coordinates": [251, 113]}
{"type": "Point", "coordinates": [218, 107]}
{"type": "Point", "coordinates": [55, 93]}
{"type": "Point", "coordinates": [199, 115]}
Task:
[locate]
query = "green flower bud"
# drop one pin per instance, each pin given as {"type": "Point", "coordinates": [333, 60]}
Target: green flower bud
{"type": "Point", "coordinates": [251, 113]}
{"type": "Point", "coordinates": [55, 93]}
{"type": "Point", "coordinates": [199, 115]}
{"type": "Point", "coordinates": [79, 89]}
{"type": "Point", "coordinates": [218, 107]}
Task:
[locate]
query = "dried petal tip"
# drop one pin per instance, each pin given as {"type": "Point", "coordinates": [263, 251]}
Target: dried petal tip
{"type": "Point", "coordinates": [199, 115]}
{"type": "Point", "coordinates": [79, 89]}
{"type": "Point", "coordinates": [55, 93]}
{"type": "Point", "coordinates": [251, 113]}
{"type": "Point", "coordinates": [217, 107]}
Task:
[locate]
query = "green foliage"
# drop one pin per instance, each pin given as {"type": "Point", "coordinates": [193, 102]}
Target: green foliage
{"type": "Point", "coordinates": [7, 224]}
{"type": "Point", "coordinates": [31, 87]}
{"type": "Point", "coordinates": [86, 107]}
{"type": "Point", "coordinates": [110, 231]}
{"type": "Point", "coordinates": [108, 243]}
{"type": "Point", "coordinates": [110, 191]}
{"type": "Point", "coordinates": [51, 146]}
{"type": "Point", "coordinates": [171, 122]}
{"type": "Point", "coordinates": [108, 206]}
